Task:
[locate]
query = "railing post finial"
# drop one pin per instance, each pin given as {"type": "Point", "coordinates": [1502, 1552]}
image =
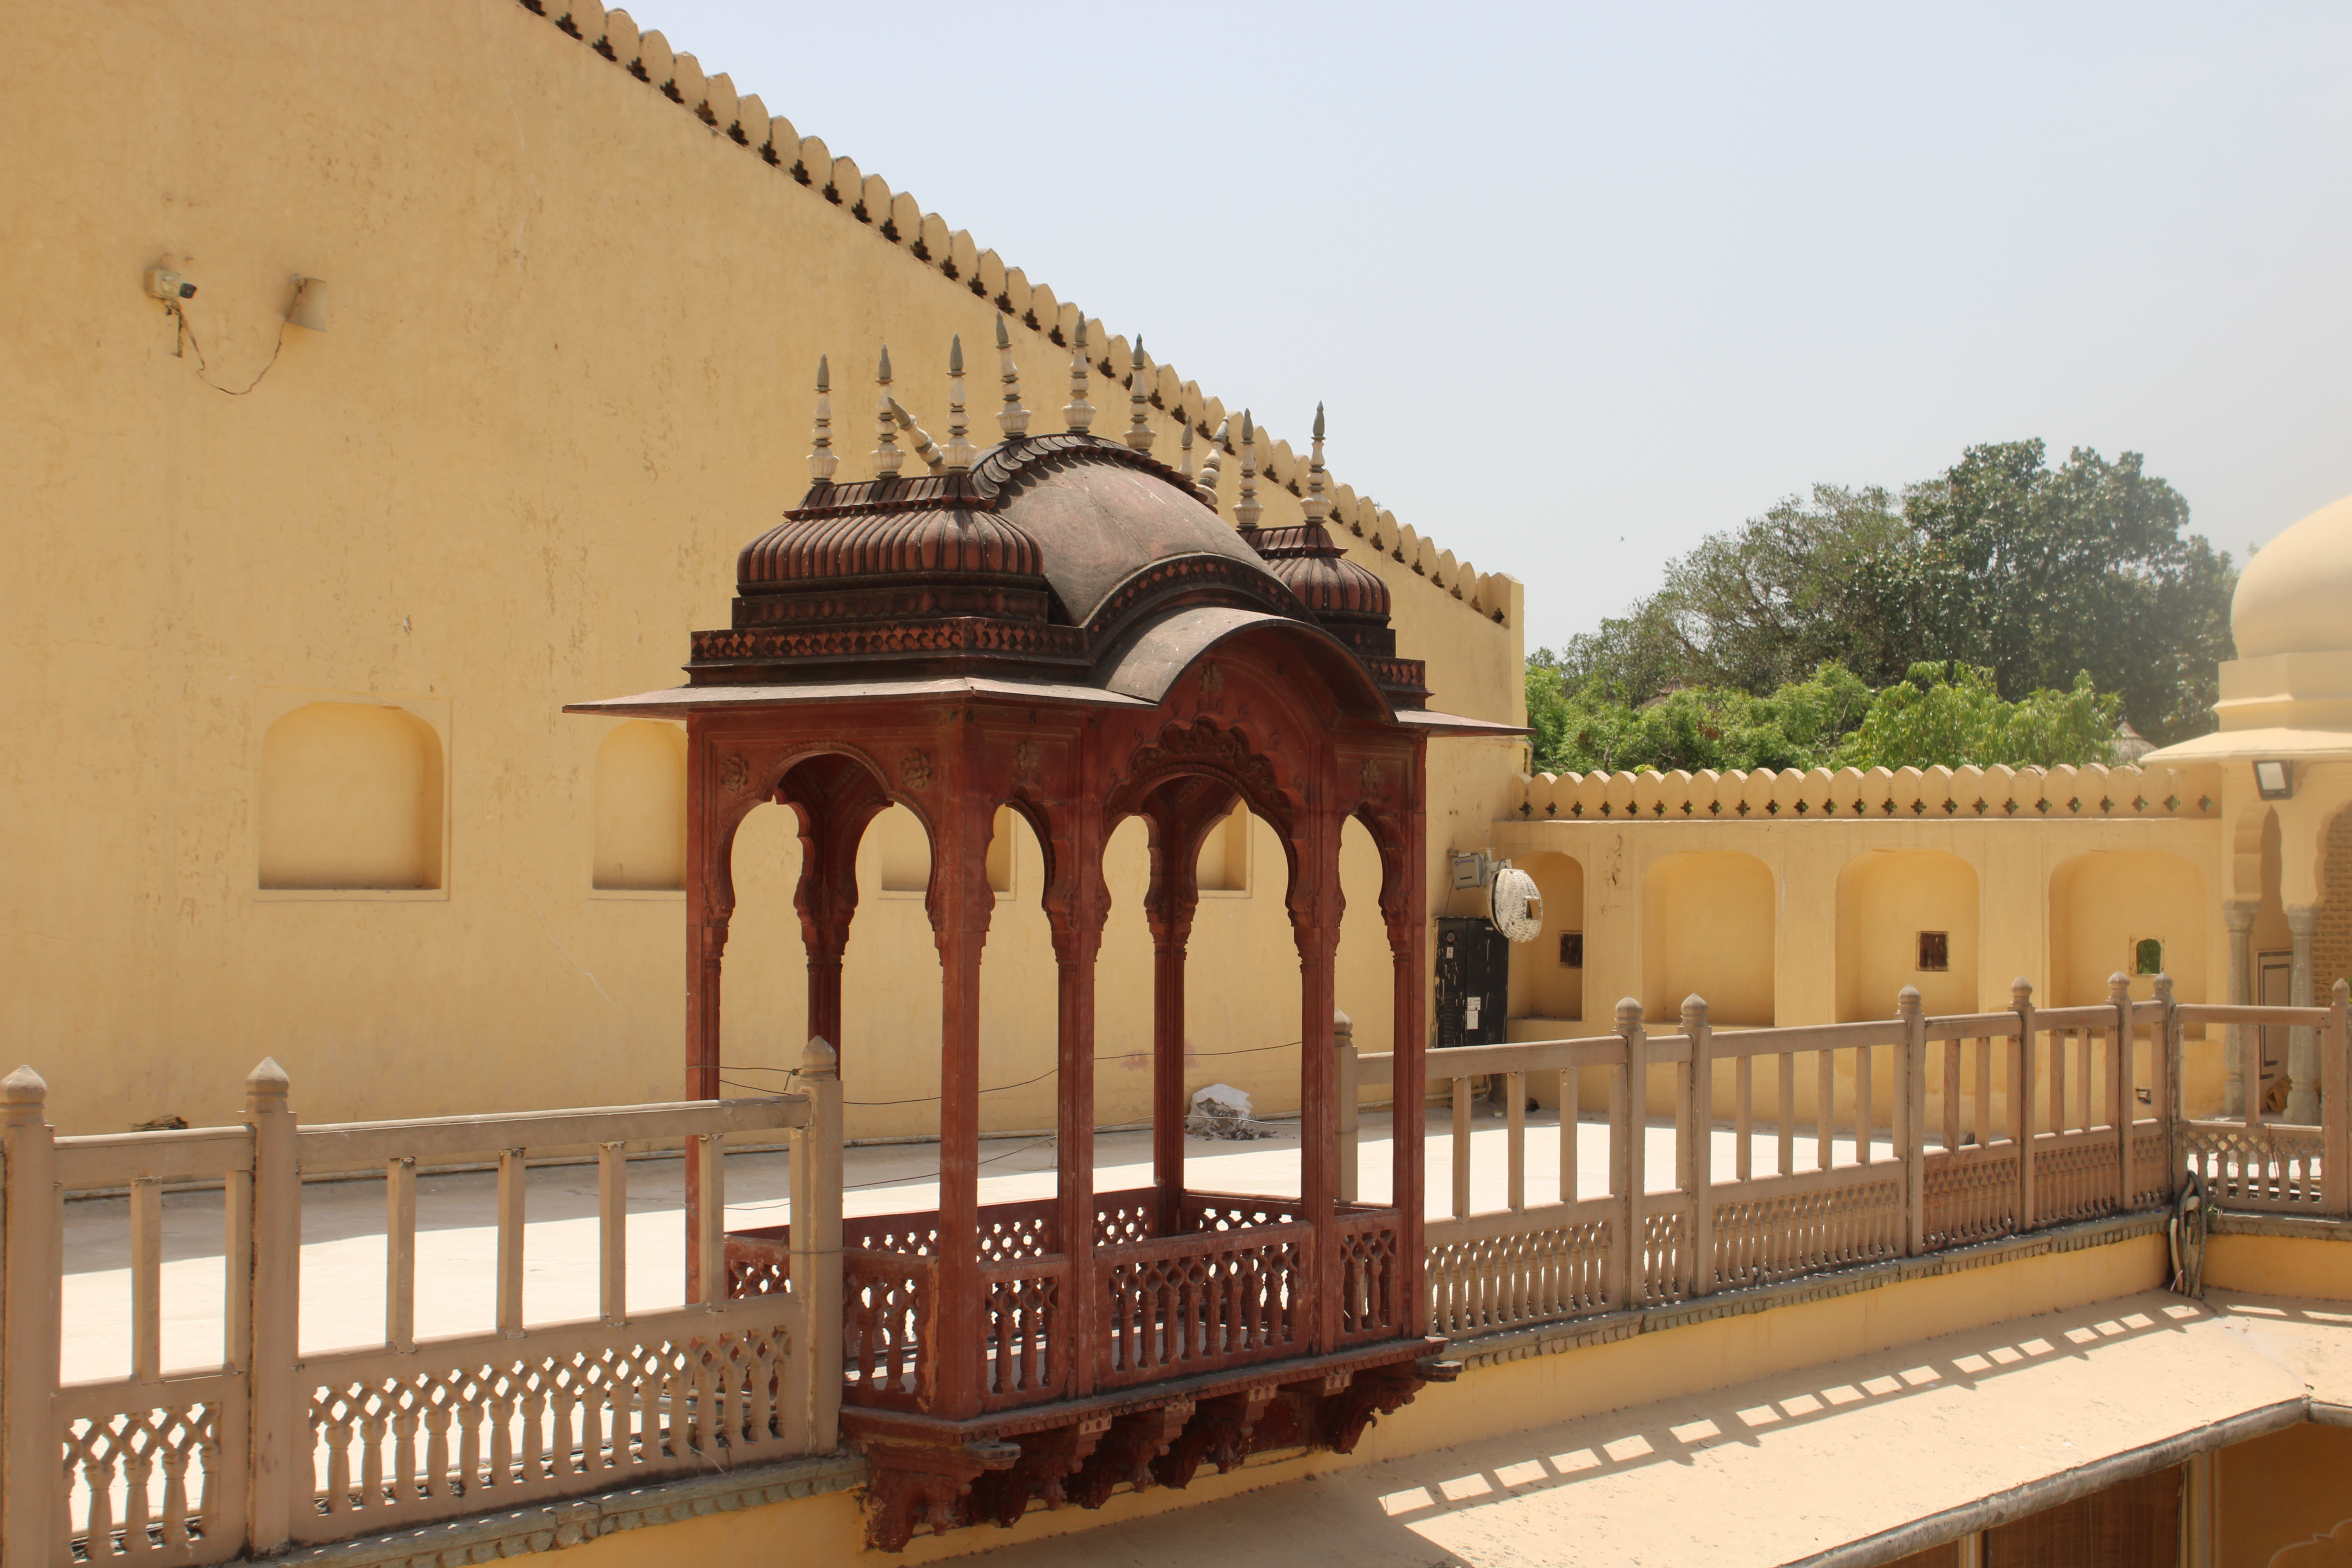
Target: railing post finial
{"type": "Point", "coordinates": [819, 1059]}
{"type": "Point", "coordinates": [24, 1094]}
{"type": "Point", "coordinates": [267, 1082]}
{"type": "Point", "coordinates": [2163, 987]}
{"type": "Point", "coordinates": [2119, 988]}
{"type": "Point", "coordinates": [1629, 1013]}
{"type": "Point", "coordinates": [2021, 991]}
{"type": "Point", "coordinates": [1908, 1002]}
{"type": "Point", "coordinates": [1694, 1010]}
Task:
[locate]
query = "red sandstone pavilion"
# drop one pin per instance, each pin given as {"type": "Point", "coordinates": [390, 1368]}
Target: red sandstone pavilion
{"type": "Point", "coordinates": [1065, 625]}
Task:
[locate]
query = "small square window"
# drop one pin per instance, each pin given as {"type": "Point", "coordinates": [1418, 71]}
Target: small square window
{"type": "Point", "coordinates": [1935, 951]}
{"type": "Point", "coordinates": [2146, 955]}
{"type": "Point", "coordinates": [1571, 950]}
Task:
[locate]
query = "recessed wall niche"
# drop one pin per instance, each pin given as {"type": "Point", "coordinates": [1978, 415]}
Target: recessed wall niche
{"type": "Point", "coordinates": [351, 800]}
{"type": "Point", "coordinates": [641, 808]}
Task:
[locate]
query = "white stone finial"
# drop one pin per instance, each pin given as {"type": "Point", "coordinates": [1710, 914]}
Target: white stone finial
{"type": "Point", "coordinates": [1185, 452]}
{"type": "Point", "coordinates": [1078, 413]}
{"type": "Point", "coordinates": [1138, 401]}
{"type": "Point", "coordinates": [1213, 469]}
{"type": "Point", "coordinates": [959, 451]}
{"type": "Point", "coordinates": [822, 459]}
{"type": "Point", "coordinates": [925, 447]}
{"type": "Point", "coordinates": [1013, 419]}
{"type": "Point", "coordinates": [887, 455]}
{"type": "Point", "coordinates": [1246, 512]}
{"type": "Point", "coordinates": [1317, 504]}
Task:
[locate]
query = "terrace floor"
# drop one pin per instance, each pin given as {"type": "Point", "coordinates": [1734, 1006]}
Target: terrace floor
{"type": "Point", "coordinates": [1737, 1477]}
{"type": "Point", "coordinates": [457, 1234]}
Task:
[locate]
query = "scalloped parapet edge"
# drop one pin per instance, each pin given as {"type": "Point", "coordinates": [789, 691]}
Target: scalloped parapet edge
{"type": "Point", "coordinates": [898, 219]}
{"type": "Point", "coordinates": [1998, 792]}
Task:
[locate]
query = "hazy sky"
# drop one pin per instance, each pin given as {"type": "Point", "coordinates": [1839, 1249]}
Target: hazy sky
{"type": "Point", "coordinates": [1583, 284]}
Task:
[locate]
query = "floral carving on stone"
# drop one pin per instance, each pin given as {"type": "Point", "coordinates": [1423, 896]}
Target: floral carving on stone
{"type": "Point", "coordinates": [735, 774]}
{"type": "Point", "coordinates": [914, 771]}
{"type": "Point", "coordinates": [1369, 776]}
{"type": "Point", "coordinates": [1026, 758]}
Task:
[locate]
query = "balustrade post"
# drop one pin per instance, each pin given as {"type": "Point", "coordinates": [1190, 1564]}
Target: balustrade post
{"type": "Point", "coordinates": [1343, 1049]}
{"type": "Point", "coordinates": [2335, 1076]}
{"type": "Point", "coordinates": [32, 1266]}
{"type": "Point", "coordinates": [815, 1368]}
{"type": "Point", "coordinates": [2237, 914]}
{"type": "Point", "coordinates": [2120, 1091]}
{"type": "Point", "coordinates": [1628, 1130]}
{"type": "Point", "coordinates": [2169, 1109]}
{"type": "Point", "coordinates": [281, 1453]}
{"type": "Point", "coordinates": [1698, 1154]}
{"type": "Point", "coordinates": [2020, 1100]}
{"type": "Point", "coordinates": [2302, 1044]}
{"type": "Point", "coordinates": [1911, 1120]}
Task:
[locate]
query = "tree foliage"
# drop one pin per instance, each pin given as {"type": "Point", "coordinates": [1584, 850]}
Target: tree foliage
{"type": "Point", "coordinates": [2002, 564]}
{"type": "Point", "coordinates": [1938, 714]}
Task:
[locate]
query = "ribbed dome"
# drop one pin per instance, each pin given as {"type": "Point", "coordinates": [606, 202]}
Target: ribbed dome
{"type": "Point", "coordinates": [2291, 594]}
{"type": "Point", "coordinates": [863, 544]}
{"type": "Point", "coordinates": [1311, 567]}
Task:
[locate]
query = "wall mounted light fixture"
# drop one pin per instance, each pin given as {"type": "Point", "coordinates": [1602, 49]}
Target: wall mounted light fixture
{"type": "Point", "coordinates": [308, 310]}
{"type": "Point", "coordinates": [2274, 781]}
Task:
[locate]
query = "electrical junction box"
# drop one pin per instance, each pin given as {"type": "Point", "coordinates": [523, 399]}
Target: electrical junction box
{"type": "Point", "coordinates": [1473, 983]}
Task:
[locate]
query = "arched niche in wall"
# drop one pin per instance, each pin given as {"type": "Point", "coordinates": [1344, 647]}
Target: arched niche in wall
{"type": "Point", "coordinates": [2137, 910]}
{"type": "Point", "coordinates": [896, 855]}
{"type": "Point", "coordinates": [1708, 927]}
{"type": "Point", "coordinates": [1547, 975]}
{"type": "Point", "coordinates": [641, 808]}
{"type": "Point", "coordinates": [351, 798]}
{"type": "Point", "coordinates": [1907, 917]}
{"type": "Point", "coordinates": [1223, 863]}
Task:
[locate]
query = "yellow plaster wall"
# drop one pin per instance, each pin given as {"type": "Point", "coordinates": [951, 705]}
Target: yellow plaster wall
{"type": "Point", "coordinates": [1848, 898]}
{"type": "Point", "coordinates": [1490, 1400]}
{"type": "Point", "coordinates": [2314, 1268]}
{"type": "Point", "coordinates": [565, 376]}
{"type": "Point", "coordinates": [1707, 928]}
{"type": "Point", "coordinates": [1884, 899]}
{"type": "Point", "coordinates": [2284, 1499]}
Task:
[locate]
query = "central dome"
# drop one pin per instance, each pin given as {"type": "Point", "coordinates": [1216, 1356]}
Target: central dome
{"type": "Point", "coordinates": [2291, 595]}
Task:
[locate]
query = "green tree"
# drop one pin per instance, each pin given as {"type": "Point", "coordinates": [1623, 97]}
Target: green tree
{"type": "Point", "coordinates": [2039, 574]}
{"type": "Point", "coordinates": [1954, 714]}
{"type": "Point", "coordinates": [2001, 563]}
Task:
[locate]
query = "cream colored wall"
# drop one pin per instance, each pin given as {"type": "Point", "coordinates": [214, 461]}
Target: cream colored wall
{"type": "Point", "coordinates": [1708, 924]}
{"type": "Point", "coordinates": [1851, 895]}
{"type": "Point", "coordinates": [565, 376]}
{"type": "Point", "coordinates": [1884, 899]}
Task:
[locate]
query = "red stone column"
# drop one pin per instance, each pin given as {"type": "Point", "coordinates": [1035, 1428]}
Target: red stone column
{"type": "Point", "coordinates": [1169, 908]}
{"type": "Point", "coordinates": [1407, 924]}
{"type": "Point", "coordinates": [1077, 942]}
{"type": "Point", "coordinates": [710, 905]}
{"type": "Point", "coordinates": [1315, 922]}
{"type": "Point", "coordinates": [960, 904]}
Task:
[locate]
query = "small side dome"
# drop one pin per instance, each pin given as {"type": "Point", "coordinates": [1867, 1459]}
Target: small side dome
{"type": "Point", "coordinates": [2292, 593]}
{"type": "Point", "coordinates": [1312, 567]}
{"type": "Point", "coordinates": [939, 538]}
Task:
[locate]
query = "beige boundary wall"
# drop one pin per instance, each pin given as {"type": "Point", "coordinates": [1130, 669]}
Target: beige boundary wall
{"type": "Point", "coordinates": [570, 333]}
{"type": "Point", "coordinates": [1515, 1387]}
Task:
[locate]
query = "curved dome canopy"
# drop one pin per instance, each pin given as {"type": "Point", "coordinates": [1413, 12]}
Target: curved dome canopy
{"type": "Point", "coordinates": [1098, 524]}
{"type": "Point", "coordinates": [2291, 595]}
{"type": "Point", "coordinates": [1050, 557]}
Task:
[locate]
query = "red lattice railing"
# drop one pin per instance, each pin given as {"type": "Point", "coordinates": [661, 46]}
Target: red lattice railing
{"type": "Point", "coordinates": [1200, 1302]}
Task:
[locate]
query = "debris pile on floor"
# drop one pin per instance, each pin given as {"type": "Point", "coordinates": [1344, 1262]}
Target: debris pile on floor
{"type": "Point", "coordinates": [1221, 1110]}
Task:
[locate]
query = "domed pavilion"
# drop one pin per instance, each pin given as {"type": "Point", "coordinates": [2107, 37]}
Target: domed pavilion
{"type": "Point", "coordinates": [1065, 625]}
{"type": "Point", "coordinates": [2284, 749]}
